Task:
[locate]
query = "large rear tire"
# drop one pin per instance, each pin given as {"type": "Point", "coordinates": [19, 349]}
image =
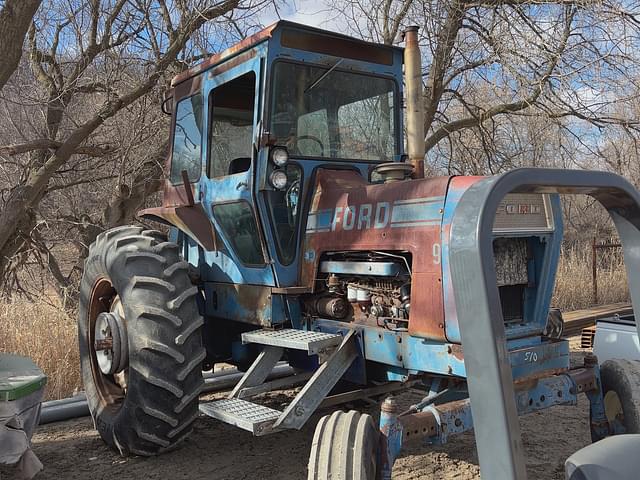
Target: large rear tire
{"type": "Point", "coordinates": [140, 342]}
{"type": "Point", "coordinates": [345, 446]}
{"type": "Point", "coordinates": [621, 393]}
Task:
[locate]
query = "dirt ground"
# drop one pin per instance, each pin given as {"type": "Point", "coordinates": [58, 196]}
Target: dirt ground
{"type": "Point", "coordinates": [73, 450]}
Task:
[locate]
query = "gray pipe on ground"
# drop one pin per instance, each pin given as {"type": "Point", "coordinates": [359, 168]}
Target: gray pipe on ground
{"type": "Point", "coordinates": [76, 406]}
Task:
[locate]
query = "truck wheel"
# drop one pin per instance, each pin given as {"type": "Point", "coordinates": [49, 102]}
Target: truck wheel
{"type": "Point", "coordinates": [345, 446]}
{"type": "Point", "coordinates": [139, 332]}
{"type": "Point", "coordinates": [621, 392]}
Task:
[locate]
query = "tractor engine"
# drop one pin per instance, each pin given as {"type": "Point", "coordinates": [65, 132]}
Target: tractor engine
{"type": "Point", "coordinates": [369, 288]}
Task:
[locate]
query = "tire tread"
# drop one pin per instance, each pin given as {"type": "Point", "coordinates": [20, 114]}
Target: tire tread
{"type": "Point", "coordinates": [163, 323]}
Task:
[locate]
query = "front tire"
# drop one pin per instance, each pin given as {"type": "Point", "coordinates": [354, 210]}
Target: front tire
{"type": "Point", "coordinates": [345, 446]}
{"type": "Point", "coordinates": [621, 393]}
{"type": "Point", "coordinates": [140, 342]}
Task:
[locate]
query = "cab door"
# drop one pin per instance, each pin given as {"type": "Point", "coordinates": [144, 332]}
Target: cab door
{"type": "Point", "coordinates": [232, 104]}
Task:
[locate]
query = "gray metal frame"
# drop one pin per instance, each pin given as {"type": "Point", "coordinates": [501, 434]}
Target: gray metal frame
{"type": "Point", "coordinates": [259, 370]}
{"type": "Point", "coordinates": [489, 377]}
{"type": "Point", "coordinates": [320, 384]}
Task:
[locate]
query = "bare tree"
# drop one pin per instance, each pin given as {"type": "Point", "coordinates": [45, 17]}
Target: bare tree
{"type": "Point", "coordinates": [15, 18]}
{"type": "Point", "coordinates": [85, 141]}
{"type": "Point", "coordinates": [492, 66]}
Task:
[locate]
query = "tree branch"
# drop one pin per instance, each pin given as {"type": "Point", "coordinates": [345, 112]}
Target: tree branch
{"type": "Point", "coordinates": [504, 108]}
{"type": "Point", "coordinates": [48, 144]}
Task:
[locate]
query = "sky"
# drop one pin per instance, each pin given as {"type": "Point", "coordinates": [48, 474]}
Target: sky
{"type": "Point", "coordinates": [309, 12]}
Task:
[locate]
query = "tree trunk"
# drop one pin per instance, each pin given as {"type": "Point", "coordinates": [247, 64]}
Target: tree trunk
{"type": "Point", "coordinates": [15, 18]}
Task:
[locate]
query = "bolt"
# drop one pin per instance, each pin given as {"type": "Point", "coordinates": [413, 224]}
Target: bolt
{"type": "Point", "coordinates": [104, 344]}
{"type": "Point", "coordinates": [299, 411]}
{"type": "Point", "coordinates": [399, 357]}
{"type": "Point", "coordinates": [458, 422]}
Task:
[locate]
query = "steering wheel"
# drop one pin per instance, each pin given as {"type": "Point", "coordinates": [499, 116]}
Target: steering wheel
{"type": "Point", "coordinates": [315, 139]}
{"type": "Point", "coordinates": [293, 198]}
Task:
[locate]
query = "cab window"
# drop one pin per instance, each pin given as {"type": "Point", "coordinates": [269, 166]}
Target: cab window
{"type": "Point", "coordinates": [231, 128]}
{"type": "Point", "coordinates": [239, 226]}
{"type": "Point", "coordinates": [187, 139]}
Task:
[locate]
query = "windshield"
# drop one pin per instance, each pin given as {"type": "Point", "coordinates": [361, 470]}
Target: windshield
{"type": "Point", "coordinates": [325, 112]}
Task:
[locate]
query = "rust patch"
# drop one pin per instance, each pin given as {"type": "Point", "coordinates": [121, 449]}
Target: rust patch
{"type": "Point", "coordinates": [176, 195]}
{"type": "Point", "coordinates": [219, 57]}
{"type": "Point", "coordinates": [456, 351]}
{"type": "Point", "coordinates": [341, 189]}
{"type": "Point", "coordinates": [417, 426]}
{"type": "Point", "coordinates": [337, 46]}
{"type": "Point", "coordinates": [228, 65]}
{"type": "Point", "coordinates": [243, 303]}
{"type": "Point", "coordinates": [584, 378]}
{"type": "Point", "coordinates": [455, 407]}
{"type": "Point", "coordinates": [191, 219]}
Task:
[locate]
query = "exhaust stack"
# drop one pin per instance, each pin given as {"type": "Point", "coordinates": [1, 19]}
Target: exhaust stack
{"type": "Point", "coordinates": [415, 105]}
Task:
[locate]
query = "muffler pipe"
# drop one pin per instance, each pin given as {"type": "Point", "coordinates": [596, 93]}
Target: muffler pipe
{"type": "Point", "coordinates": [415, 102]}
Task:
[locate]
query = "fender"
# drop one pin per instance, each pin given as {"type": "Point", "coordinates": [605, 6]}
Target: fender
{"type": "Point", "coordinates": [190, 219]}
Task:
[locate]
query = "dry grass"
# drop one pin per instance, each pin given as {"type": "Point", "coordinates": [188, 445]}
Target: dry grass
{"type": "Point", "coordinates": [46, 334]}
{"type": "Point", "coordinates": [574, 288]}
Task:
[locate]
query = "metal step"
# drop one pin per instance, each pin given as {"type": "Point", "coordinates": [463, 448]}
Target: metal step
{"type": "Point", "coordinates": [261, 420]}
{"type": "Point", "coordinates": [312, 342]}
{"type": "Point", "coordinates": [249, 416]}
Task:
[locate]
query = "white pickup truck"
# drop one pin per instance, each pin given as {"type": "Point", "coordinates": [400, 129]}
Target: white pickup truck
{"type": "Point", "coordinates": [615, 343]}
{"type": "Point", "coordinates": [616, 337]}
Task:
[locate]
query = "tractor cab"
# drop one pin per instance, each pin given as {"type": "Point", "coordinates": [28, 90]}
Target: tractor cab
{"type": "Point", "coordinates": [251, 128]}
{"type": "Point", "coordinates": [289, 193]}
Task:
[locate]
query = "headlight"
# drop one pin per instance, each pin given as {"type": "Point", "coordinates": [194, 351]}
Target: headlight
{"type": "Point", "coordinates": [278, 179]}
{"type": "Point", "coordinates": [279, 156]}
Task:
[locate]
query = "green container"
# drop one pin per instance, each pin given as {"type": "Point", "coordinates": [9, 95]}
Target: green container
{"type": "Point", "coordinates": [19, 377]}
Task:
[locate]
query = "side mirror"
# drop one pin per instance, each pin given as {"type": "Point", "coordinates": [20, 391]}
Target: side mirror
{"type": "Point", "coordinates": [167, 103]}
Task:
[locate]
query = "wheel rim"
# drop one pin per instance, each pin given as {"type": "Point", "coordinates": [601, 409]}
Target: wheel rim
{"type": "Point", "coordinates": [108, 344]}
{"type": "Point", "coordinates": [613, 411]}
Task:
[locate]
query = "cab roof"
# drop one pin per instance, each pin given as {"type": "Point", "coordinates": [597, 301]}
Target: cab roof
{"type": "Point", "coordinates": [303, 37]}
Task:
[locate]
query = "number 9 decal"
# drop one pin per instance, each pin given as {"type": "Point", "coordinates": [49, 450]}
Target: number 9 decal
{"type": "Point", "coordinates": [437, 253]}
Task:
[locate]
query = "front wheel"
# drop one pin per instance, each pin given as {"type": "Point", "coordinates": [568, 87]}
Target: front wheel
{"type": "Point", "coordinates": [621, 393]}
{"type": "Point", "coordinates": [140, 342]}
{"type": "Point", "coordinates": [345, 446]}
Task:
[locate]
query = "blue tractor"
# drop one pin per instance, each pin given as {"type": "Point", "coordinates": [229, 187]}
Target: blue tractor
{"type": "Point", "coordinates": [301, 230]}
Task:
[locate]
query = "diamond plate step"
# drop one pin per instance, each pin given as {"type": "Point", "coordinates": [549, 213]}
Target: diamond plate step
{"type": "Point", "coordinates": [312, 342]}
{"type": "Point", "coordinates": [249, 416]}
